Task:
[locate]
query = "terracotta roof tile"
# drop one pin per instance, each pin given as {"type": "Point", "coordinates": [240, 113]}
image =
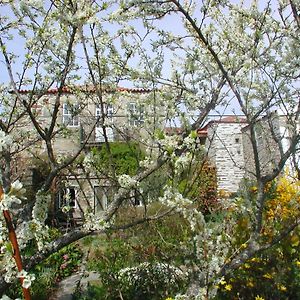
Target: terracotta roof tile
{"type": "Point", "coordinates": [228, 119]}
{"type": "Point", "coordinates": [90, 89]}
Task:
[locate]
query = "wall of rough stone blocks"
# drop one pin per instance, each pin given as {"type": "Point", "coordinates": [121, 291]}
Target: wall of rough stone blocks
{"type": "Point", "coordinates": [267, 131]}
{"type": "Point", "coordinates": [225, 150]}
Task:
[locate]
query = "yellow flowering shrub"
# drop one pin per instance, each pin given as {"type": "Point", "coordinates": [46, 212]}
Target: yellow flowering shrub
{"type": "Point", "coordinates": [274, 273]}
{"type": "Point", "coordinates": [283, 204]}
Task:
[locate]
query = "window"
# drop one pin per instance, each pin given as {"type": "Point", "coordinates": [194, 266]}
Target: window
{"type": "Point", "coordinates": [70, 115]}
{"type": "Point", "coordinates": [67, 197]}
{"type": "Point", "coordinates": [102, 195]}
{"type": "Point", "coordinates": [136, 114]}
{"type": "Point", "coordinates": [108, 111]}
{"type": "Point", "coordinates": [135, 198]}
{"type": "Point", "coordinates": [99, 134]}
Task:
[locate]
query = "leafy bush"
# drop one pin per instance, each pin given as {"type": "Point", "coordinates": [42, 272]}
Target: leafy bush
{"type": "Point", "coordinates": [154, 250]}
{"type": "Point", "coordinates": [55, 268]}
{"type": "Point", "coordinates": [275, 273]}
{"type": "Point", "coordinates": [125, 158]}
{"type": "Point", "coordinates": [150, 281]}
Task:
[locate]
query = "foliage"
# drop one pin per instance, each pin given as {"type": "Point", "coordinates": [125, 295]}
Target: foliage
{"type": "Point", "coordinates": [282, 206]}
{"type": "Point", "coordinates": [76, 53]}
{"type": "Point", "coordinates": [55, 268]}
{"type": "Point", "coordinates": [143, 250]}
{"type": "Point", "coordinates": [151, 281]}
{"type": "Point", "coordinates": [273, 274]}
{"type": "Point", "coordinates": [125, 158]}
{"type": "Point", "coordinates": [199, 183]}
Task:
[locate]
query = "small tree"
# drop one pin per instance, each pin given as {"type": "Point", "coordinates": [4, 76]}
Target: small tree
{"type": "Point", "coordinates": [222, 51]}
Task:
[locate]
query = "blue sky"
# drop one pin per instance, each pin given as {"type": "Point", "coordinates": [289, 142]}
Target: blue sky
{"type": "Point", "coordinates": [169, 22]}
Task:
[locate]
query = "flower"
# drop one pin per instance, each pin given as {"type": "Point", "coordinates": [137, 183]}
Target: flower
{"type": "Point", "coordinates": [5, 141]}
{"type": "Point", "coordinates": [40, 209]}
{"type": "Point", "coordinates": [17, 185]}
{"type": "Point", "coordinates": [268, 276]}
{"type": "Point", "coordinates": [27, 278]}
{"type": "Point", "coordinates": [7, 201]}
{"type": "Point", "coordinates": [246, 266]}
{"type": "Point", "coordinates": [259, 298]}
{"type": "Point", "coordinates": [64, 265]}
{"type": "Point", "coordinates": [282, 288]}
{"type": "Point", "coordinates": [228, 287]}
{"type": "Point", "coordinates": [126, 181]}
{"type": "Point", "coordinates": [65, 256]}
{"type": "Point", "coordinates": [94, 222]}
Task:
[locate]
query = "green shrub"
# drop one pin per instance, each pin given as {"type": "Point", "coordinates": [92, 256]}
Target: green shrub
{"type": "Point", "coordinates": [55, 268]}
{"type": "Point", "coordinates": [150, 281]}
{"type": "Point", "coordinates": [165, 243]}
{"type": "Point", "coordinates": [125, 158]}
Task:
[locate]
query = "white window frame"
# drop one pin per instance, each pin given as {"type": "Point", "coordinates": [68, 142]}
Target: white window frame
{"type": "Point", "coordinates": [108, 111]}
{"type": "Point", "coordinates": [69, 118]}
{"type": "Point", "coordinates": [62, 201]}
{"type": "Point", "coordinates": [99, 134]}
{"type": "Point", "coordinates": [136, 114]}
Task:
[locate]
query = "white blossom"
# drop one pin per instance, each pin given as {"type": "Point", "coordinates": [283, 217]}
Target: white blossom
{"type": "Point", "coordinates": [27, 278]}
{"type": "Point", "coordinates": [182, 162]}
{"type": "Point", "coordinates": [169, 143]}
{"type": "Point", "coordinates": [17, 189]}
{"type": "Point", "coordinates": [190, 142]}
{"type": "Point", "coordinates": [40, 209]}
{"type": "Point", "coordinates": [147, 162]}
{"type": "Point", "coordinates": [4, 297]}
{"type": "Point", "coordinates": [40, 233]}
{"type": "Point", "coordinates": [3, 232]}
{"type": "Point", "coordinates": [173, 198]}
{"type": "Point", "coordinates": [127, 181]}
{"type": "Point", "coordinates": [94, 222]}
{"type": "Point", "coordinates": [167, 272]}
{"type": "Point", "coordinates": [88, 161]}
{"type": "Point", "coordinates": [5, 141]}
{"type": "Point", "coordinates": [10, 267]}
{"type": "Point", "coordinates": [7, 201]}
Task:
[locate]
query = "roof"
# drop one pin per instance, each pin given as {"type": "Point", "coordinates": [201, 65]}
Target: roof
{"type": "Point", "coordinates": [173, 130]}
{"type": "Point", "coordinates": [230, 119]}
{"type": "Point", "coordinates": [202, 132]}
{"type": "Point", "coordinates": [89, 89]}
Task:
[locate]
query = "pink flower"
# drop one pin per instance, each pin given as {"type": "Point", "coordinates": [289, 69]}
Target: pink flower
{"type": "Point", "coordinates": [63, 266]}
{"type": "Point", "coordinates": [65, 257]}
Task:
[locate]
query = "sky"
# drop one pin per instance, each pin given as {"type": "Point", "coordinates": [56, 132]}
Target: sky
{"type": "Point", "coordinates": [169, 22]}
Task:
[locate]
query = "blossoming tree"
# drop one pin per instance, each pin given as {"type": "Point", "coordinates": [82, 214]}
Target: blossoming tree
{"type": "Point", "coordinates": [222, 53]}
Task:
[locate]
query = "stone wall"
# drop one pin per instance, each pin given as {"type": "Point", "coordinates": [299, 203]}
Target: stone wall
{"type": "Point", "coordinates": [225, 150]}
{"type": "Point", "coordinates": [268, 137]}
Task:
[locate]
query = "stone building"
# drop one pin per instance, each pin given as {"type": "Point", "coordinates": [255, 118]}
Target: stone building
{"type": "Point", "coordinates": [223, 141]}
{"type": "Point", "coordinates": [230, 149]}
{"type": "Point", "coordinates": [273, 133]}
{"type": "Point", "coordinates": [268, 138]}
{"type": "Point", "coordinates": [87, 119]}
{"type": "Point", "coordinates": [84, 121]}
